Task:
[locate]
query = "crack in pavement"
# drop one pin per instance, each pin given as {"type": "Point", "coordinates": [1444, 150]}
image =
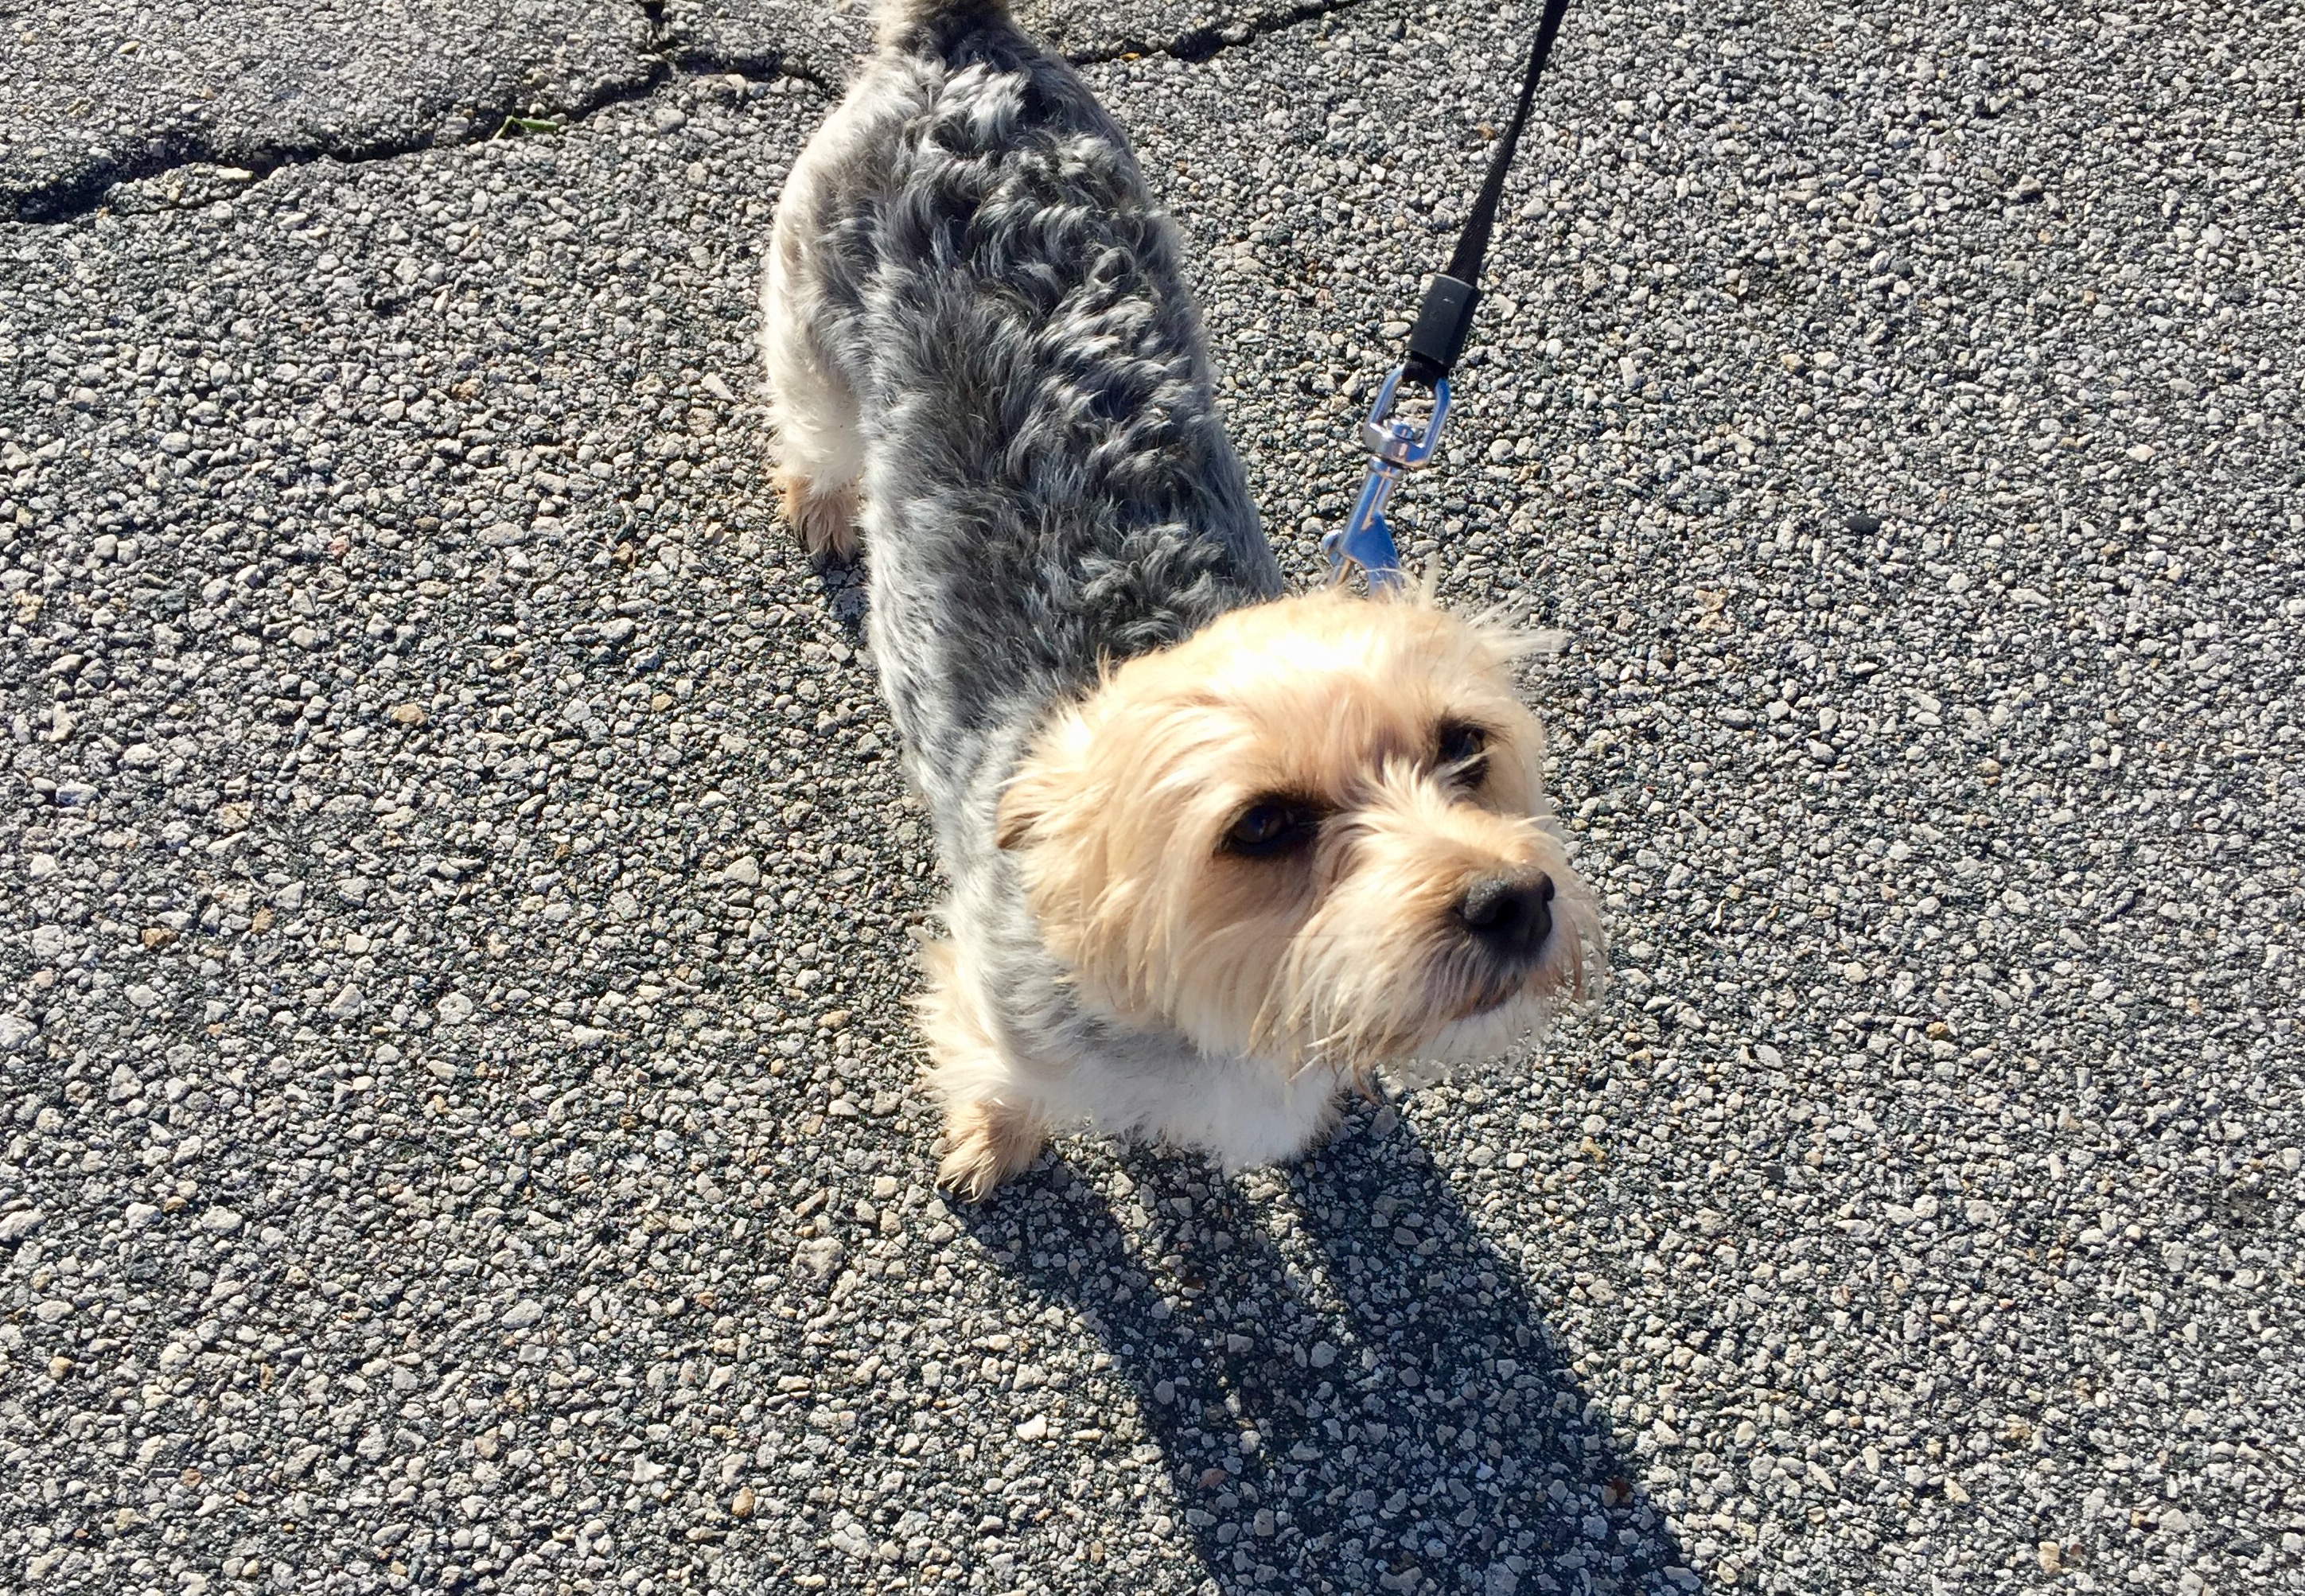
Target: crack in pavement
{"type": "Point", "coordinates": [663, 63]}
{"type": "Point", "coordinates": [1201, 44]}
{"type": "Point", "coordinates": [85, 193]}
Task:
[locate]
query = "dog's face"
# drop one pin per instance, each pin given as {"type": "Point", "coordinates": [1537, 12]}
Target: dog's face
{"type": "Point", "coordinates": [1312, 832]}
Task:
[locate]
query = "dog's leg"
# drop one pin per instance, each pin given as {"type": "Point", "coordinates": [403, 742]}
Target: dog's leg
{"type": "Point", "coordinates": [989, 1135]}
{"type": "Point", "coordinates": [820, 455]}
{"type": "Point", "coordinates": [820, 450]}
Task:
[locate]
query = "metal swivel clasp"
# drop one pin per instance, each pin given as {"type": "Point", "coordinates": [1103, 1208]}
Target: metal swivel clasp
{"type": "Point", "coordinates": [1366, 540]}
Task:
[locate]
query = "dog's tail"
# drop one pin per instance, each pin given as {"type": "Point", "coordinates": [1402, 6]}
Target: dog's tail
{"type": "Point", "coordinates": [927, 24]}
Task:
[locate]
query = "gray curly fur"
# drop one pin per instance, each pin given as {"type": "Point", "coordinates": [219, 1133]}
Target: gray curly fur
{"type": "Point", "coordinates": [1047, 484]}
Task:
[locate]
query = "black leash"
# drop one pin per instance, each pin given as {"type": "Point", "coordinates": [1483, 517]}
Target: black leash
{"type": "Point", "coordinates": [1444, 322]}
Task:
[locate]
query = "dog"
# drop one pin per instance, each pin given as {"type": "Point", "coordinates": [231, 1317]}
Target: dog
{"type": "Point", "coordinates": [1218, 852]}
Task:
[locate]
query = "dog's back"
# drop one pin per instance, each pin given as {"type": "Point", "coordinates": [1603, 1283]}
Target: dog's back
{"type": "Point", "coordinates": [981, 348]}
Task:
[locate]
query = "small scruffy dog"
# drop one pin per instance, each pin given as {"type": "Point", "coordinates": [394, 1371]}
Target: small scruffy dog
{"type": "Point", "coordinates": [1217, 853]}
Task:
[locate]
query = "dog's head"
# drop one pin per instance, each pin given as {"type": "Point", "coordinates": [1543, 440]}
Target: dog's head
{"type": "Point", "coordinates": [1316, 832]}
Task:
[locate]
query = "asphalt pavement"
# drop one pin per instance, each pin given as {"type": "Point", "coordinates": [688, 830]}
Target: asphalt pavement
{"type": "Point", "coordinates": [460, 1109]}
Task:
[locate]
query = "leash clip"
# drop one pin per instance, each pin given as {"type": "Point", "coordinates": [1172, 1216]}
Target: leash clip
{"type": "Point", "coordinates": [1365, 539]}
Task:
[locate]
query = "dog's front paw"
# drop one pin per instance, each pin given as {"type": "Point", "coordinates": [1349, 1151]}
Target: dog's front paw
{"type": "Point", "coordinates": [985, 1143]}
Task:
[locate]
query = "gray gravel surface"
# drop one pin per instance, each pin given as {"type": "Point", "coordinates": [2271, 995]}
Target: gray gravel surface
{"type": "Point", "coordinates": [821, 41]}
{"type": "Point", "coordinates": [459, 1117]}
{"type": "Point", "coordinates": [104, 90]}
{"type": "Point", "coordinates": [115, 91]}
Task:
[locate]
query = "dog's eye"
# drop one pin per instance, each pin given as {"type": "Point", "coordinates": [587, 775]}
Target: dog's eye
{"type": "Point", "coordinates": [1272, 826]}
{"type": "Point", "coordinates": [1464, 754]}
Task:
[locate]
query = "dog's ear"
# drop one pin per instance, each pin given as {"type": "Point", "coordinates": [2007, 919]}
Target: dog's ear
{"type": "Point", "coordinates": [1046, 782]}
{"type": "Point", "coordinates": [1028, 802]}
{"type": "Point", "coordinates": [1019, 810]}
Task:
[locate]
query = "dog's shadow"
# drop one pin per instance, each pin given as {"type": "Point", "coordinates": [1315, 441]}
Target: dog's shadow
{"type": "Point", "coordinates": [842, 586]}
{"type": "Point", "coordinates": [1387, 1412]}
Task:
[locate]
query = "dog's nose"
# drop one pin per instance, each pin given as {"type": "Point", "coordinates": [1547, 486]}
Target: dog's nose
{"type": "Point", "coordinates": [1509, 915]}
